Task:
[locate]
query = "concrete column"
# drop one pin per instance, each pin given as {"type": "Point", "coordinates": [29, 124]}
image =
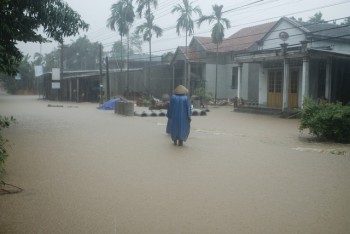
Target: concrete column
{"type": "Point", "coordinates": [305, 80]}
{"type": "Point", "coordinates": [328, 79]}
{"type": "Point", "coordinates": [78, 91]}
{"type": "Point", "coordinates": [70, 89]}
{"type": "Point", "coordinates": [240, 65]}
{"type": "Point", "coordinates": [262, 99]}
{"type": "Point", "coordinates": [285, 84]}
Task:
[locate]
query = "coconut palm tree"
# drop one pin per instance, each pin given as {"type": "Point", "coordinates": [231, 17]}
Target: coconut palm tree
{"type": "Point", "coordinates": [185, 22]}
{"type": "Point", "coordinates": [121, 19]}
{"type": "Point", "coordinates": [217, 33]}
{"type": "Point", "coordinates": [145, 5]}
{"type": "Point", "coordinates": [147, 28]}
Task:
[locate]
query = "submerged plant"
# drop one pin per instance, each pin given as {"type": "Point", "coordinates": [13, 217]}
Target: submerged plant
{"type": "Point", "coordinates": [4, 123]}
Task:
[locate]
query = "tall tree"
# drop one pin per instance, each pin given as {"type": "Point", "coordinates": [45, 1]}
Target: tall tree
{"type": "Point", "coordinates": [25, 77]}
{"type": "Point", "coordinates": [38, 59]}
{"type": "Point", "coordinates": [82, 54]}
{"type": "Point", "coordinates": [346, 21]}
{"type": "Point", "coordinates": [185, 22]}
{"type": "Point", "coordinates": [121, 19]}
{"type": "Point", "coordinates": [135, 46]}
{"type": "Point", "coordinates": [217, 32]}
{"type": "Point", "coordinates": [316, 18]}
{"type": "Point", "coordinates": [20, 21]}
{"type": "Point", "coordinates": [52, 60]}
{"type": "Point", "coordinates": [136, 43]}
{"type": "Point", "coordinates": [145, 7]}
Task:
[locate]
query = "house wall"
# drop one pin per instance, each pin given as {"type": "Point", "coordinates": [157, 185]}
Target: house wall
{"type": "Point", "coordinates": [224, 80]}
{"type": "Point", "coordinates": [223, 58]}
{"type": "Point", "coordinates": [252, 82]}
{"type": "Point", "coordinates": [313, 79]}
{"type": "Point", "coordinates": [273, 41]}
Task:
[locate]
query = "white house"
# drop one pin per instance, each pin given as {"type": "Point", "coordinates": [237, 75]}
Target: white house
{"type": "Point", "coordinates": [298, 59]}
{"type": "Point", "coordinates": [201, 58]}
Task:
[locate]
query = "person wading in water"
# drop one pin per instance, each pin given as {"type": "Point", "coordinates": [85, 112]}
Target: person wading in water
{"type": "Point", "coordinates": [179, 116]}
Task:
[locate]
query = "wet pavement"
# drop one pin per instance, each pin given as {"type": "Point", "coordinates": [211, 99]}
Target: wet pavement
{"type": "Point", "coordinates": [85, 170]}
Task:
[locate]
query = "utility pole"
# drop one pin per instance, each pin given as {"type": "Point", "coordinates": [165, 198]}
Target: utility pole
{"type": "Point", "coordinates": [101, 83]}
{"type": "Point", "coordinates": [107, 76]}
{"type": "Point", "coordinates": [61, 69]}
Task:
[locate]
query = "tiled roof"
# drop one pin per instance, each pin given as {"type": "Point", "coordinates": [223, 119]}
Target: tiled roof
{"type": "Point", "coordinates": [246, 37]}
{"type": "Point", "coordinates": [192, 55]}
{"type": "Point", "coordinates": [241, 40]}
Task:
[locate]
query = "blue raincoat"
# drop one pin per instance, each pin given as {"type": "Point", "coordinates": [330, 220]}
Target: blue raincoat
{"type": "Point", "coordinates": [179, 113]}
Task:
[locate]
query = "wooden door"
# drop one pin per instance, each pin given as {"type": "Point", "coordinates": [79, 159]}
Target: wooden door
{"type": "Point", "coordinates": [293, 89]}
{"type": "Point", "coordinates": [274, 94]}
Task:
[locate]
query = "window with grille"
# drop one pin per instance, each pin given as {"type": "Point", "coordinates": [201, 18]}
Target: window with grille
{"type": "Point", "coordinates": [275, 81]}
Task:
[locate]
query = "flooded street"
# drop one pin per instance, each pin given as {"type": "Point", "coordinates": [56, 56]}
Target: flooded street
{"type": "Point", "coordinates": [85, 170]}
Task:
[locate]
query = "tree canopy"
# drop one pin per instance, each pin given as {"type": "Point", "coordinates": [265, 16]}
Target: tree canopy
{"type": "Point", "coordinates": [317, 18]}
{"type": "Point", "coordinates": [21, 20]}
{"type": "Point", "coordinates": [220, 23]}
{"type": "Point", "coordinates": [346, 21]}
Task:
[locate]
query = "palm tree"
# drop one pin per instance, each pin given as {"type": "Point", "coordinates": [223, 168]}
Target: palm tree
{"type": "Point", "coordinates": [147, 28]}
{"type": "Point", "coordinates": [217, 33]}
{"type": "Point", "coordinates": [122, 17]}
{"type": "Point", "coordinates": [185, 22]}
{"type": "Point", "coordinates": [145, 5]}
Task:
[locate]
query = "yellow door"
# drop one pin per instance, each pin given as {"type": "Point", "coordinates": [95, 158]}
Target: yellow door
{"type": "Point", "coordinates": [293, 89]}
{"type": "Point", "coordinates": [274, 94]}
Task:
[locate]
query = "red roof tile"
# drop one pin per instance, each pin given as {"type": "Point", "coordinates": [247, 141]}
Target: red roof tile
{"type": "Point", "coordinates": [241, 40]}
{"type": "Point", "coordinates": [192, 55]}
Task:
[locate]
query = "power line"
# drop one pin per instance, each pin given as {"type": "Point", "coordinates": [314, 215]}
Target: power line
{"type": "Point", "coordinates": [294, 27]}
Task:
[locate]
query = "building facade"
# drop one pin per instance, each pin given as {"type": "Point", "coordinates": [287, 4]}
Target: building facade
{"type": "Point", "coordinates": [299, 59]}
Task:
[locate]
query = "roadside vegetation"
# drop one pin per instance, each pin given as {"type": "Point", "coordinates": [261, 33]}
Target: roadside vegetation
{"type": "Point", "coordinates": [330, 121]}
{"type": "Point", "coordinates": [5, 122]}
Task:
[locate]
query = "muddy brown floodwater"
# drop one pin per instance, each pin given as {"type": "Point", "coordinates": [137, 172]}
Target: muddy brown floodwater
{"type": "Point", "coordinates": [85, 170]}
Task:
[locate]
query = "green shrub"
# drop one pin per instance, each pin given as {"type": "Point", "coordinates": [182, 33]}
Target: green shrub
{"type": "Point", "coordinates": [330, 120]}
{"type": "Point", "coordinates": [4, 123]}
{"type": "Point", "coordinates": [202, 94]}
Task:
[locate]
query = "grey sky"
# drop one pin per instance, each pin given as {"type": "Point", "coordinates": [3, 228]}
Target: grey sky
{"type": "Point", "coordinates": [96, 13]}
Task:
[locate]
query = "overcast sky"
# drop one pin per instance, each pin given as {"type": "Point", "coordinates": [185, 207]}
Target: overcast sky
{"type": "Point", "coordinates": [243, 13]}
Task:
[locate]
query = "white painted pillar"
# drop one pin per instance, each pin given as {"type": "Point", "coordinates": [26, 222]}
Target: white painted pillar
{"type": "Point", "coordinates": [305, 80]}
{"type": "Point", "coordinates": [240, 65]}
{"type": "Point", "coordinates": [285, 84]}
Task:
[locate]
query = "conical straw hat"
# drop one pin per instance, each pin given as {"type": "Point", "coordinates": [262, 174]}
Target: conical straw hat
{"type": "Point", "coordinates": [181, 90]}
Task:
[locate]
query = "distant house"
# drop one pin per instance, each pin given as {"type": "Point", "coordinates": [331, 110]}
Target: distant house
{"type": "Point", "coordinates": [200, 59]}
{"type": "Point", "coordinates": [298, 59]}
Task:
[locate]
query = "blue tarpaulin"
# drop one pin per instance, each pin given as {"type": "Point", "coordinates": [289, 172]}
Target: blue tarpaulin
{"type": "Point", "coordinates": [110, 104]}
